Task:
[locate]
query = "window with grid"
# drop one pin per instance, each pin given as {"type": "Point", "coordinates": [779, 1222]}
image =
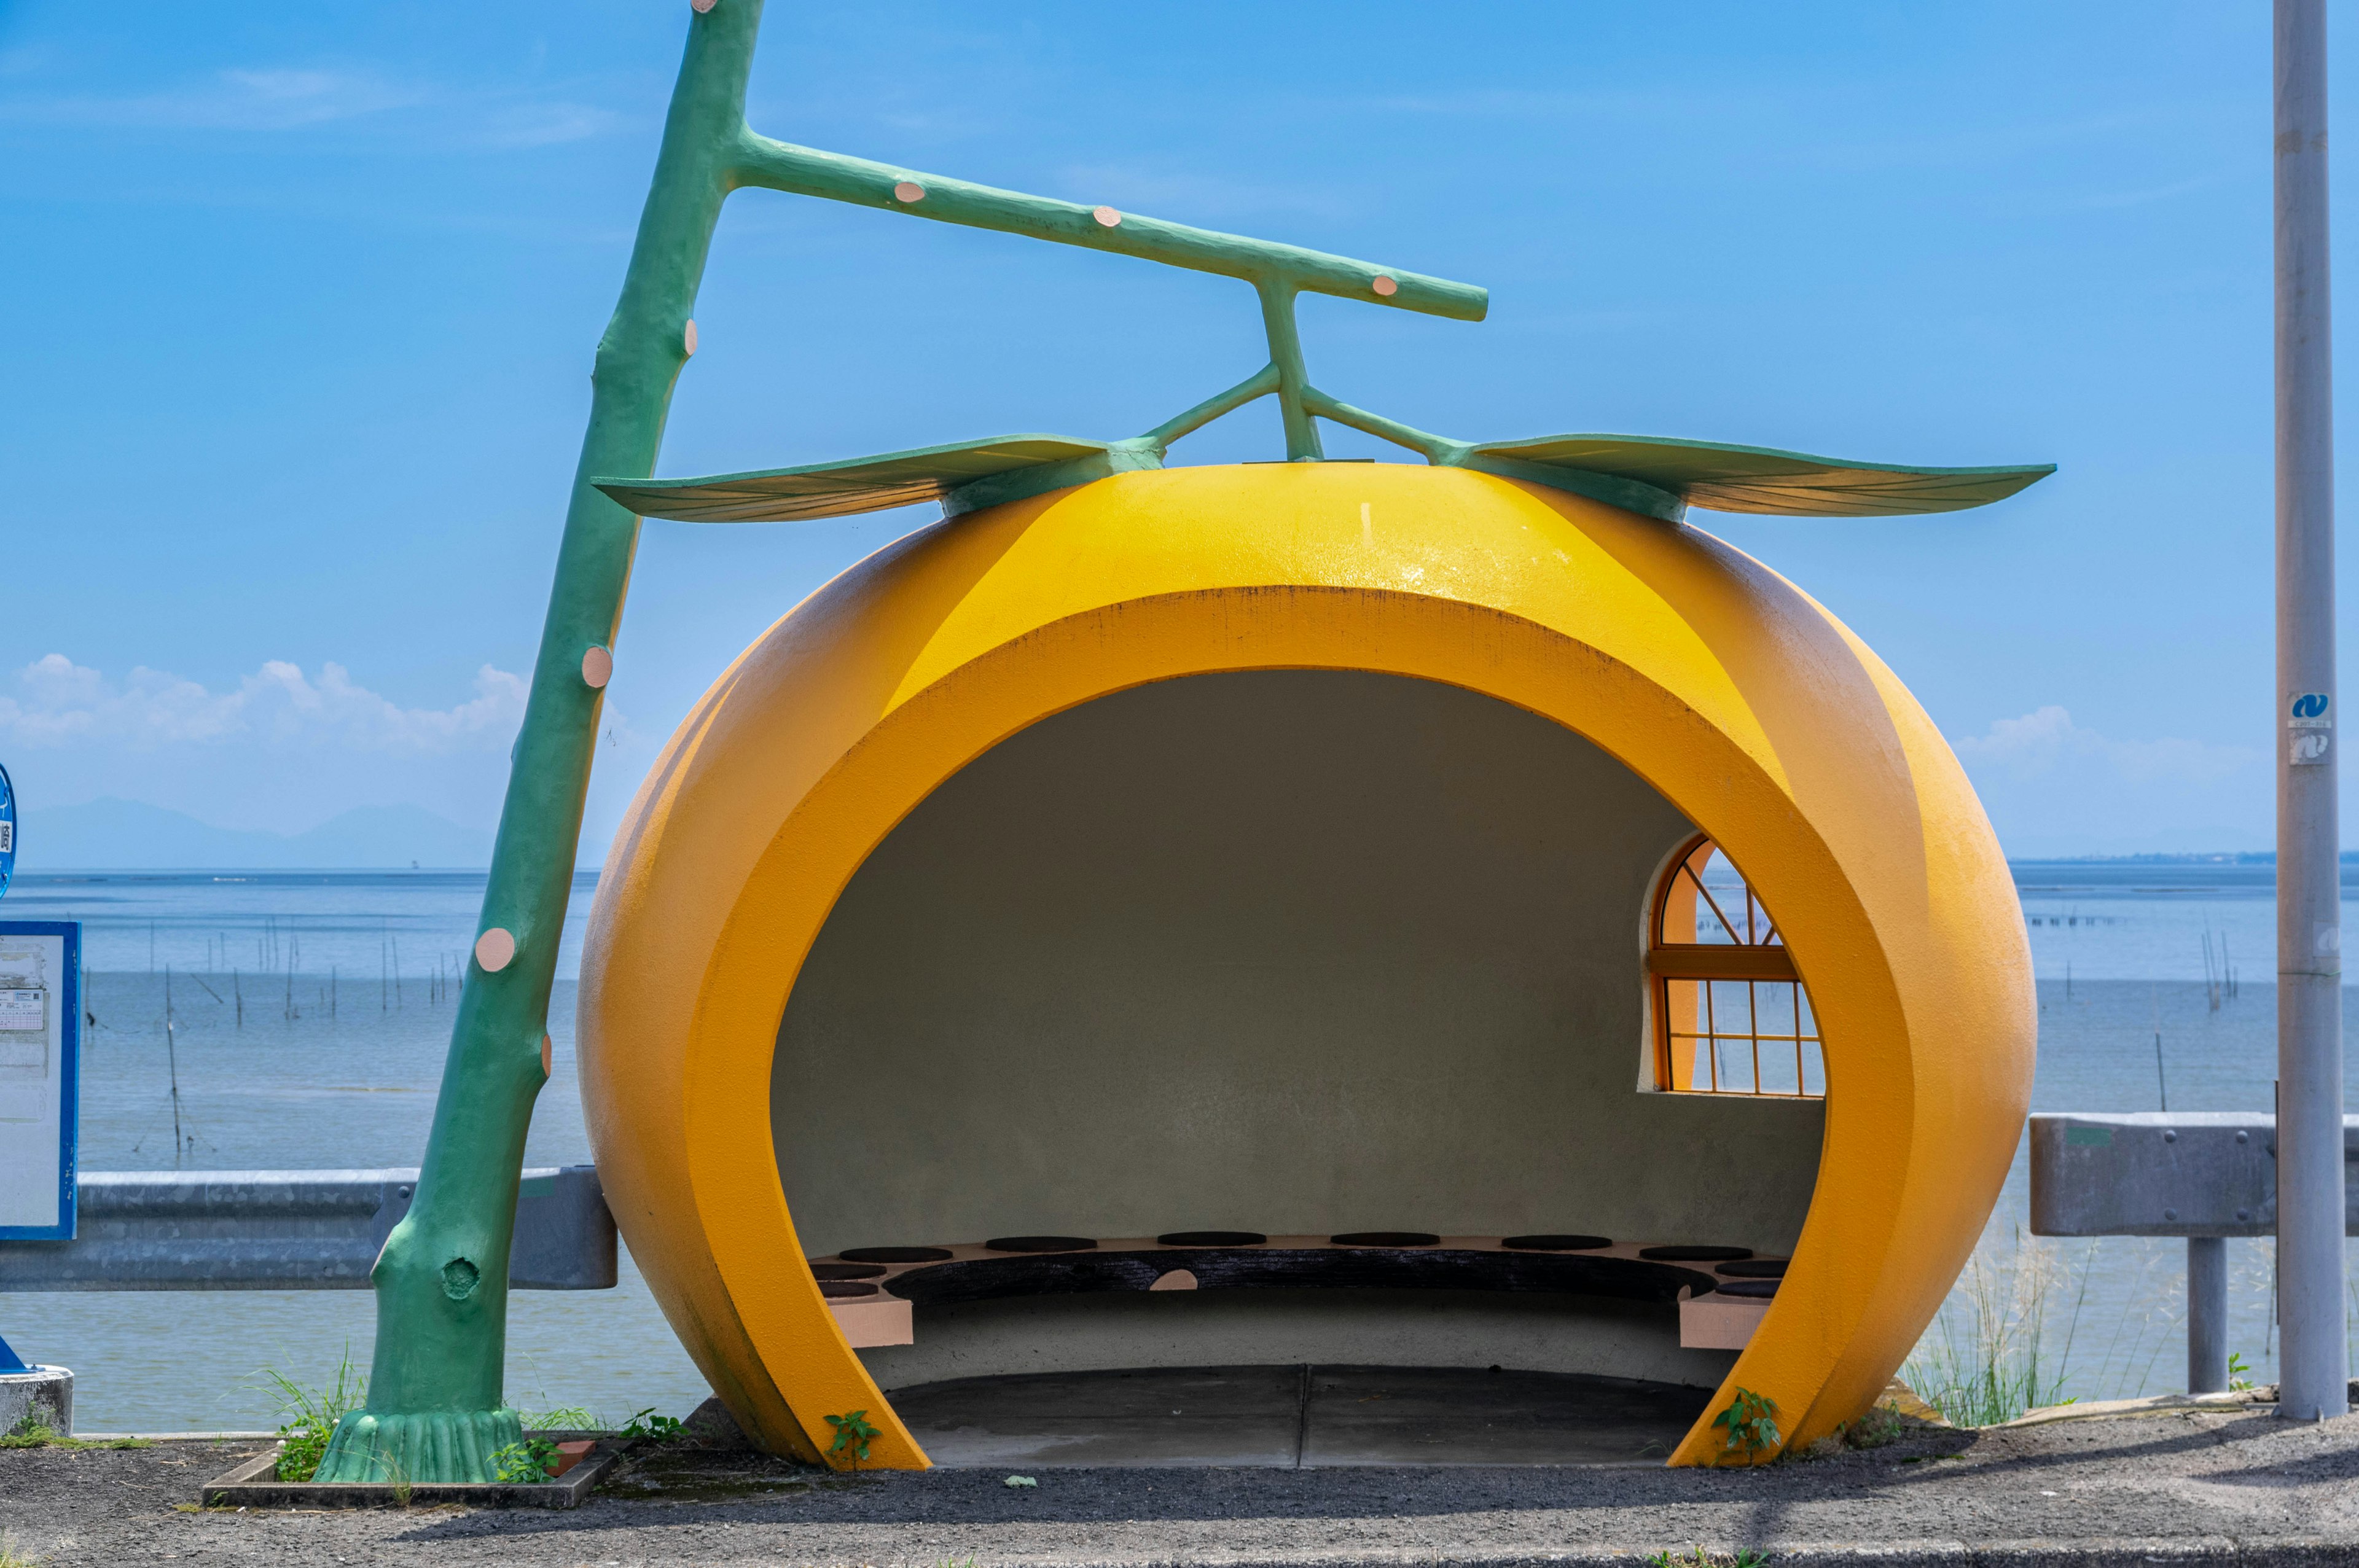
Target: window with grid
{"type": "Point", "coordinates": [1731, 1013]}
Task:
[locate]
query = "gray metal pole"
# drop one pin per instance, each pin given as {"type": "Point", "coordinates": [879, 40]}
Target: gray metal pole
{"type": "Point", "coordinates": [2314, 1365]}
{"type": "Point", "coordinates": [2207, 1314]}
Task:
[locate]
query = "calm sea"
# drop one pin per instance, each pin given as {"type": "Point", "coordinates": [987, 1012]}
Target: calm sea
{"type": "Point", "coordinates": [312, 1019]}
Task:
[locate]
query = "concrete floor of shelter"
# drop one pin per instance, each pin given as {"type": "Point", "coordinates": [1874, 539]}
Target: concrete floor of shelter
{"type": "Point", "coordinates": [1297, 1417]}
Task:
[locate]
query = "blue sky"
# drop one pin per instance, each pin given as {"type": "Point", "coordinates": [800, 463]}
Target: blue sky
{"type": "Point", "coordinates": [299, 303]}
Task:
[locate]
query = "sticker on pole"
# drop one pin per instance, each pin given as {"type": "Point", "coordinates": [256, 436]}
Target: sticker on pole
{"type": "Point", "coordinates": [8, 831]}
{"type": "Point", "coordinates": [2312, 730]}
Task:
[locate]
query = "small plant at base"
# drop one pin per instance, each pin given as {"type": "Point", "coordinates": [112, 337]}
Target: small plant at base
{"type": "Point", "coordinates": [34, 1433]}
{"type": "Point", "coordinates": [851, 1435]}
{"type": "Point", "coordinates": [2236, 1370]}
{"type": "Point", "coordinates": [13, 1555]}
{"type": "Point", "coordinates": [31, 1432]}
{"type": "Point", "coordinates": [1883, 1425]}
{"type": "Point", "coordinates": [524, 1464]}
{"type": "Point", "coordinates": [1752, 1422]}
{"type": "Point", "coordinates": [1699, 1558]}
{"type": "Point", "coordinates": [652, 1428]}
{"type": "Point", "coordinates": [308, 1417]}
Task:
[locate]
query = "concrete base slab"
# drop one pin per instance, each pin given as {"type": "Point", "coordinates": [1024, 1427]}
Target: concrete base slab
{"type": "Point", "coordinates": [2234, 1487]}
{"type": "Point", "coordinates": [1157, 1415]}
{"type": "Point", "coordinates": [1297, 1417]}
{"type": "Point", "coordinates": [1443, 1415]}
{"type": "Point", "coordinates": [42, 1397]}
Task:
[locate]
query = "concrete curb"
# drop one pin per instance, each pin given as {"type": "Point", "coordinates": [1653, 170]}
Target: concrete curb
{"type": "Point", "coordinates": [178, 1436]}
{"type": "Point", "coordinates": [2300, 1552]}
{"type": "Point", "coordinates": [2103, 1410]}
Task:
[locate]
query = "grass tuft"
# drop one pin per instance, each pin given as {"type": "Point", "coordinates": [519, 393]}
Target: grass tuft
{"type": "Point", "coordinates": [1995, 1349]}
{"type": "Point", "coordinates": [568, 1418]}
{"type": "Point", "coordinates": [308, 1417]}
{"type": "Point", "coordinates": [34, 1433]}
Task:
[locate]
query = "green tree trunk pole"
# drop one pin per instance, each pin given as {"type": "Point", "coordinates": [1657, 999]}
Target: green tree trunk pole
{"type": "Point", "coordinates": [435, 1408]}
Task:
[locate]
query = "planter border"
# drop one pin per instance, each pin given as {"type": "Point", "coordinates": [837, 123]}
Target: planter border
{"type": "Point", "coordinates": [250, 1485]}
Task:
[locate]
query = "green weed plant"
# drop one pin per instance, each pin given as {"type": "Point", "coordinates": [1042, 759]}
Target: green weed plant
{"type": "Point", "coordinates": [524, 1464]}
{"type": "Point", "coordinates": [852, 1433]}
{"type": "Point", "coordinates": [308, 1417]}
{"type": "Point", "coordinates": [1752, 1422]}
{"type": "Point", "coordinates": [649, 1427]}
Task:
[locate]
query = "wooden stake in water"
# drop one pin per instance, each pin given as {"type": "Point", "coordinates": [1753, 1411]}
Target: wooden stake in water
{"type": "Point", "coordinates": [172, 1066]}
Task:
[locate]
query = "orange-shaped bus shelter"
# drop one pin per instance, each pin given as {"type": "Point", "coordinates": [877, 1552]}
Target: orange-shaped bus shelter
{"type": "Point", "coordinates": [1321, 852]}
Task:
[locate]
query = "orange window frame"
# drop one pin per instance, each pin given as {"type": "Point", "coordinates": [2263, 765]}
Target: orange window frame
{"type": "Point", "coordinates": [1752, 959]}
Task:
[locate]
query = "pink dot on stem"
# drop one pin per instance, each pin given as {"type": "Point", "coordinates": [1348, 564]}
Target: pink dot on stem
{"type": "Point", "coordinates": [544, 1055]}
{"type": "Point", "coordinates": [1107, 217]}
{"type": "Point", "coordinates": [908, 190]}
{"type": "Point", "coordinates": [1386, 287]}
{"type": "Point", "coordinates": [702, 7]}
{"type": "Point", "coordinates": [597, 668]}
{"type": "Point", "coordinates": [495, 950]}
{"type": "Point", "coordinates": [688, 338]}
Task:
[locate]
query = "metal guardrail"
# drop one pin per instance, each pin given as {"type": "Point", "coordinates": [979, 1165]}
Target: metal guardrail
{"type": "Point", "coordinates": [293, 1230]}
{"type": "Point", "coordinates": [2204, 1175]}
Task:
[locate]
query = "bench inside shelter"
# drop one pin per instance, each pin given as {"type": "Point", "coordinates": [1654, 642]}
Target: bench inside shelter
{"type": "Point", "coordinates": [881, 1294]}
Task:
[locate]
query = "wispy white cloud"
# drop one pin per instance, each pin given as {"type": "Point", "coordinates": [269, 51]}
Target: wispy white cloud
{"type": "Point", "coordinates": [1508, 102]}
{"type": "Point", "coordinates": [229, 101]}
{"type": "Point", "coordinates": [60, 704]}
{"type": "Point", "coordinates": [2056, 788]}
{"type": "Point", "coordinates": [546, 125]}
{"type": "Point", "coordinates": [2045, 742]}
{"type": "Point", "coordinates": [292, 99]}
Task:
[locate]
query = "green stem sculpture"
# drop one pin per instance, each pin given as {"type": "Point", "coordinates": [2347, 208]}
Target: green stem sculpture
{"type": "Point", "coordinates": [435, 1410]}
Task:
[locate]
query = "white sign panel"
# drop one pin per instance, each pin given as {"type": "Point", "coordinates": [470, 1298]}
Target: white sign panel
{"type": "Point", "coordinates": [41, 1003]}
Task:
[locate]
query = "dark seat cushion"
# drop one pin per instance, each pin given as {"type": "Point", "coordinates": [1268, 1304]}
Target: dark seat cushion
{"type": "Point", "coordinates": [1228, 1269]}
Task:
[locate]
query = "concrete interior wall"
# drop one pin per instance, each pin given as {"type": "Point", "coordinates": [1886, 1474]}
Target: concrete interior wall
{"type": "Point", "coordinates": [1291, 951]}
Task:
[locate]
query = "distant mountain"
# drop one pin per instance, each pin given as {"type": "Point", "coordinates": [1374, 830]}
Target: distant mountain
{"type": "Point", "coordinates": [113, 835]}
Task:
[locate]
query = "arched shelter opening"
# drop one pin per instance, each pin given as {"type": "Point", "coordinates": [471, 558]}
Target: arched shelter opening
{"type": "Point", "coordinates": [998, 894]}
{"type": "Point", "coordinates": [1295, 954]}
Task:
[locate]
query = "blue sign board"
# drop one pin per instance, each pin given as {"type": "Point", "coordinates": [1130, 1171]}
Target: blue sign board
{"type": "Point", "coordinates": [40, 1077]}
{"type": "Point", "coordinates": [8, 831]}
